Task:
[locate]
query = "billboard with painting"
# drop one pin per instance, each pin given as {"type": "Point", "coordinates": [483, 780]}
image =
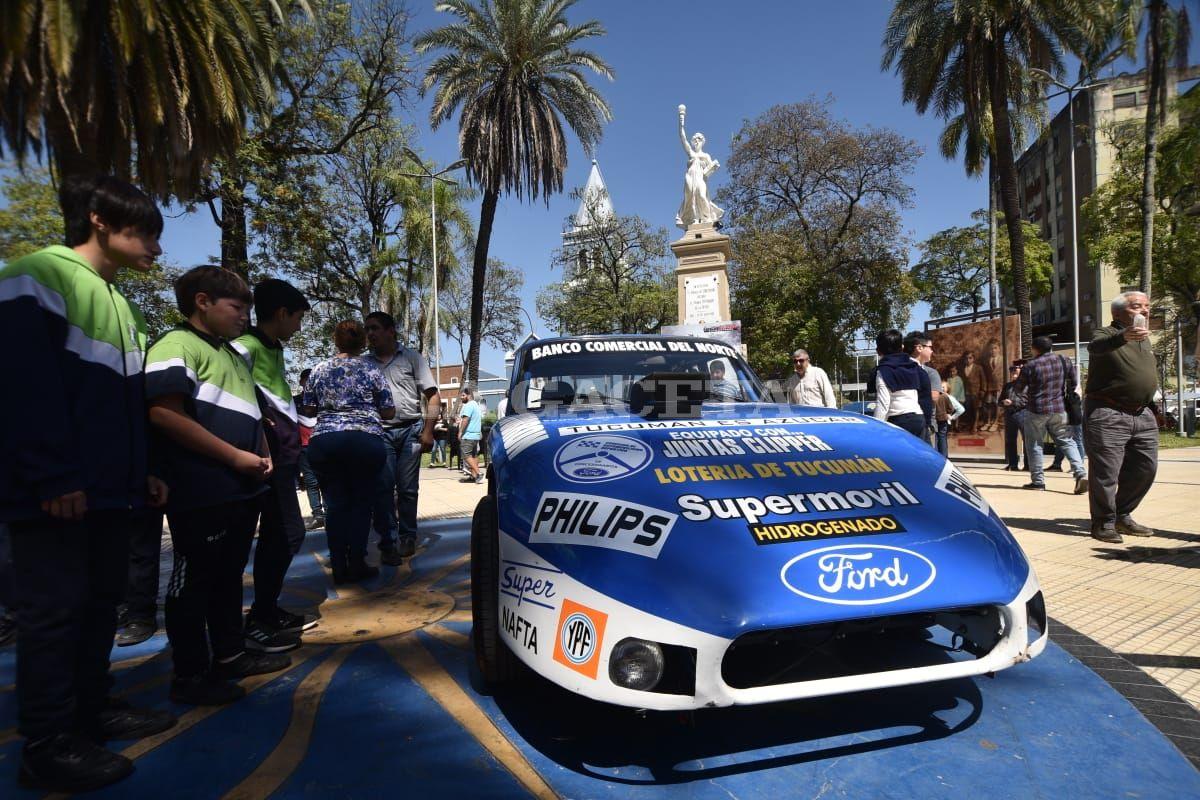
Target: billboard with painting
{"type": "Point", "coordinates": [971, 360]}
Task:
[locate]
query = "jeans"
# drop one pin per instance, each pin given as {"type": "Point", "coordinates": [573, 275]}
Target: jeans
{"type": "Point", "coordinates": [1036, 428]}
{"type": "Point", "coordinates": [1124, 457]}
{"type": "Point", "coordinates": [913, 423]}
{"type": "Point", "coordinates": [1077, 437]}
{"type": "Point", "coordinates": [438, 455]}
{"type": "Point", "coordinates": [69, 579]}
{"type": "Point", "coordinates": [943, 438]}
{"type": "Point", "coordinates": [1014, 421]}
{"type": "Point", "coordinates": [204, 596]}
{"type": "Point", "coordinates": [348, 464]}
{"type": "Point", "coordinates": [395, 507]}
{"type": "Point", "coordinates": [311, 485]}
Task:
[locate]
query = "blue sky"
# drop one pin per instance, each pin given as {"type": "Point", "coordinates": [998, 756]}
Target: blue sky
{"type": "Point", "coordinates": [728, 62]}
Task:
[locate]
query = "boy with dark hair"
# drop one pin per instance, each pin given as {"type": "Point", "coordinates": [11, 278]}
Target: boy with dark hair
{"type": "Point", "coordinates": [73, 475]}
{"type": "Point", "coordinates": [903, 396]}
{"type": "Point", "coordinates": [279, 308]}
{"type": "Point", "coordinates": [205, 410]}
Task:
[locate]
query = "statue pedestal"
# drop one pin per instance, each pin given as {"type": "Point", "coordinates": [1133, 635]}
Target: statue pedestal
{"type": "Point", "coordinates": [703, 275]}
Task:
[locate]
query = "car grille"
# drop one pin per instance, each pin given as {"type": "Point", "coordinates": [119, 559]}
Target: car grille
{"type": "Point", "coordinates": [862, 646]}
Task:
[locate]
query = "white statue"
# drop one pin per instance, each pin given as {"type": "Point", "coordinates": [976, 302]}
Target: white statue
{"type": "Point", "coordinates": [696, 207]}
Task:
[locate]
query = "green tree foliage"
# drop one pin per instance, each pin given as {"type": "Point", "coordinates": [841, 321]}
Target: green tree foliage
{"type": "Point", "coordinates": [973, 58]}
{"type": "Point", "coordinates": [513, 71]}
{"type": "Point", "coordinates": [616, 278]}
{"type": "Point", "coordinates": [952, 273]}
{"type": "Point", "coordinates": [1112, 215]}
{"type": "Point", "coordinates": [501, 309]}
{"type": "Point", "coordinates": [342, 69]}
{"type": "Point", "coordinates": [31, 219]}
{"type": "Point", "coordinates": [165, 86]}
{"type": "Point", "coordinates": [819, 253]}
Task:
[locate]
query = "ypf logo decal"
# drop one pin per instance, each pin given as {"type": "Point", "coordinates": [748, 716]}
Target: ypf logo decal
{"type": "Point", "coordinates": [595, 459]}
{"type": "Point", "coordinates": [858, 574]}
{"type": "Point", "coordinates": [580, 635]}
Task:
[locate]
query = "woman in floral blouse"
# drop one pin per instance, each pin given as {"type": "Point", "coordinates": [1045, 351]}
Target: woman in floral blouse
{"type": "Point", "coordinates": [349, 398]}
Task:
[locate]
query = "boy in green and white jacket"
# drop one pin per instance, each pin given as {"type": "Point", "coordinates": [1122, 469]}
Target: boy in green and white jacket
{"type": "Point", "coordinates": [205, 412]}
{"type": "Point", "coordinates": [73, 475]}
{"type": "Point", "coordinates": [279, 308]}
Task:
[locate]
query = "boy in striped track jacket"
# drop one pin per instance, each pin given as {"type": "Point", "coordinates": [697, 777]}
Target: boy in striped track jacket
{"type": "Point", "coordinates": [205, 411]}
{"type": "Point", "coordinates": [73, 475]}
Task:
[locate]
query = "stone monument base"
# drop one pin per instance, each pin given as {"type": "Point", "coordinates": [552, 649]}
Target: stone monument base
{"type": "Point", "coordinates": [703, 275]}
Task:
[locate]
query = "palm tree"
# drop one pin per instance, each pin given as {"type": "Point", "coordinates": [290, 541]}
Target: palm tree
{"type": "Point", "coordinates": [1168, 32]}
{"type": "Point", "coordinates": [514, 71]}
{"type": "Point", "coordinates": [104, 85]}
{"type": "Point", "coordinates": [973, 55]}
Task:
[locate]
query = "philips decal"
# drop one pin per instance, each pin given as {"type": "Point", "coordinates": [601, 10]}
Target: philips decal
{"type": "Point", "coordinates": [858, 574]}
{"type": "Point", "coordinates": [595, 459]}
{"type": "Point", "coordinates": [583, 519]}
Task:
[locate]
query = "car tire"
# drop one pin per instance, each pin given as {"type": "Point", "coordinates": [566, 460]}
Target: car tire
{"type": "Point", "coordinates": [497, 664]}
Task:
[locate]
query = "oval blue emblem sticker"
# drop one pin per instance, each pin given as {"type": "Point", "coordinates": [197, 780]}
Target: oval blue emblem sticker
{"type": "Point", "coordinates": [858, 574]}
{"type": "Point", "coordinates": [599, 458]}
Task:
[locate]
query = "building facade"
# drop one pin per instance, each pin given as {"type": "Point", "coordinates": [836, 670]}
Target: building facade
{"type": "Point", "coordinates": [1044, 193]}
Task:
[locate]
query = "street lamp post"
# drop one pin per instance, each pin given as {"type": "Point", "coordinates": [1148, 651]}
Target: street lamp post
{"type": "Point", "coordinates": [1070, 91]}
{"type": "Point", "coordinates": [434, 177]}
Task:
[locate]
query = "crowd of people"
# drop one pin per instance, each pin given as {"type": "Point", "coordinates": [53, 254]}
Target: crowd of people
{"type": "Point", "coordinates": [1112, 427]}
{"type": "Point", "coordinates": [199, 427]}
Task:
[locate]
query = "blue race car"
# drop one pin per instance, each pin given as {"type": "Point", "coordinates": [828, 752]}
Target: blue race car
{"type": "Point", "coordinates": [657, 535]}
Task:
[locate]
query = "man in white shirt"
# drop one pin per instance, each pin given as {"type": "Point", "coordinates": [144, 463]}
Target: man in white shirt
{"type": "Point", "coordinates": [808, 385]}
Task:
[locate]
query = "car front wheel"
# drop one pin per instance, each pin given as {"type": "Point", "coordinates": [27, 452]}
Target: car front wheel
{"type": "Point", "coordinates": [497, 664]}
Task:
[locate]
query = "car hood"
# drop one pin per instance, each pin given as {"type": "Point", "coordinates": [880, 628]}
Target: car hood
{"type": "Point", "coordinates": [752, 517]}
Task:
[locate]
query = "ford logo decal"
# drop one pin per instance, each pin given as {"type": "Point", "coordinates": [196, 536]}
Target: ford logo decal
{"type": "Point", "coordinates": [601, 457]}
{"type": "Point", "coordinates": [858, 574]}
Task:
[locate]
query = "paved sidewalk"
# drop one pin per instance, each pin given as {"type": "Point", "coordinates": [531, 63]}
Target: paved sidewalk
{"type": "Point", "coordinates": [1141, 599]}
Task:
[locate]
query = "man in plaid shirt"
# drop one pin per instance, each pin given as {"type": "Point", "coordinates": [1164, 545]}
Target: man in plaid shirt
{"type": "Point", "coordinates": [1045, 376]}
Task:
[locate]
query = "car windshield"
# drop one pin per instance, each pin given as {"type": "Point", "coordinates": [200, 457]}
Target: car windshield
{"type": "Point", "coordinates": [604, 371]}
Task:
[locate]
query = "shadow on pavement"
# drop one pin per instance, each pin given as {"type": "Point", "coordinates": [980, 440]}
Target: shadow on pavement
{"type": "Point", "coordinates": [672, 747]}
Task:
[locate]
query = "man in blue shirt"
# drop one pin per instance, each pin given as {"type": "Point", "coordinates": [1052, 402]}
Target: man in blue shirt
{"type": "Point", "coordinates": [470, 431]}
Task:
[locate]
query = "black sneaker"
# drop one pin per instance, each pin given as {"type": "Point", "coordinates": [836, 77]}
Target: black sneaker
{"type": "Point", "coordinates": [135, 631]}
{"type": "Point", "coordinates": [360, 572]}
{"type": "Point", "coordinates": [119, 720]}
{"type": "Point", "coordinates": [390, 556]}
{"type": "Point", "coordinates": [68, 762]}
{"type": "Point", "coordinates": [407, 546]}
{"type": "Point", "coordinates": [268, 639]}
{"type": "Point", "coordinates": [247, 664]}
{"type": "Point", "coordinates": [287, 622]}
{"type": "Point", "coordinates": [205, 690]}
{"type": "Point", "coordinates": [1108, 534]}
{"type": "Point", "coordinates": [1040, 487]}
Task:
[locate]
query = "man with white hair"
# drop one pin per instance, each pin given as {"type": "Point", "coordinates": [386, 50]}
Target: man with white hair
{"type": "Point", "coordinates": [808, 385]}
{"type": "Point", "coordinates": [1119, 424]}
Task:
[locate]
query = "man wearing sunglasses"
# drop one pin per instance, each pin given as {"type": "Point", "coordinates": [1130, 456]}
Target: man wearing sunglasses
{"type": "Point", "coordinates": [808, 385]}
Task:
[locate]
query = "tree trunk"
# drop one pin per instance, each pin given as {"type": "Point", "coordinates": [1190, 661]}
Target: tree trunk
{"type": "Point", "coordinates": [1156, 76]}
{"type": "Point", "coordinates": [991, 179]}
{"type": "Point", "coordinates": [487, 215]}
{"type": "Point", "coordinates": [234, 251]}
{"type": "Point", "coordinates": [1007, 167]}
{"type": "Point", "coordinates": [408, 281]}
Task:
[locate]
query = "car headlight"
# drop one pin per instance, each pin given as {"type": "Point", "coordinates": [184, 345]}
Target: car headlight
{"type": "Point", "coordinates": [636, 664]}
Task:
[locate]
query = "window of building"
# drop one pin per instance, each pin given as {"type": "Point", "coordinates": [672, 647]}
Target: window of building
{"type": "Point", "coordinates": [1125, 100]}
{"type": "Point", "coordinates": [454, 381]}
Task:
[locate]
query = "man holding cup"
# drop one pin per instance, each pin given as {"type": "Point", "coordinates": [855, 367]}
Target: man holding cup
{"type": "Point", "coordinates": [1119, 423]}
